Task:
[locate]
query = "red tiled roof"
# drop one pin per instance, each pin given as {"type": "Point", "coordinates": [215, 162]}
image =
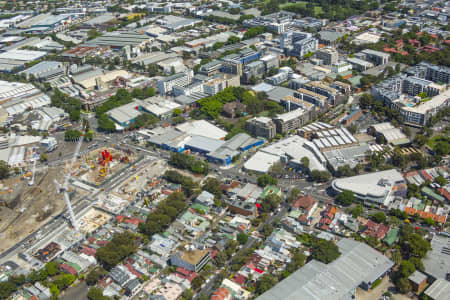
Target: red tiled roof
{"type": "Point", "coordinates": [239, 279]}
{"type": "Point", "coordinates": [220, 294]}
{"type": "Point", "coordinates": [68, 269]}
{"type": "Point", "coordinates": [425, 175]}
{"type": "Point", "coordinates": [88, 251]}
{"type": "Point", "coordinates": [133, 270]}
{"type": "Point", "coordinates": [444, 193]}
{"type": "Point", "coordinates": [304, 202]}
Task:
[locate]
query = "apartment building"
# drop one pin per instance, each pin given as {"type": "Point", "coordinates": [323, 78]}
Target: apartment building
{"type": "Point", "coordinates": [261, 126]}
{"type": "Point", "coordinates": [182, 79]}
{"type": "Point", "coordinates": [291, 120]}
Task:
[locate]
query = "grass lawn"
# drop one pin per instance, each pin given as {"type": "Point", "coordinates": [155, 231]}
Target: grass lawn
{"type": "Point", "coordinates": [432, 141]}
{"type": "Point", "coordinates": [301, 4]}
{"type": "Point", "coordinates": [317, 9]}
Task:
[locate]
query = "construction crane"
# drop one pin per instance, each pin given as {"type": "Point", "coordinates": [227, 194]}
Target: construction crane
{"type": "Point", "coordinates": [64, 188]}
{"type": "Point", "coordinates": [31, 182]}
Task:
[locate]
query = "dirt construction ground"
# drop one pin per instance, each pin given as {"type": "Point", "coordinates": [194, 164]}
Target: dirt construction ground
{"type": "Point", "coordinates": [24, 208]}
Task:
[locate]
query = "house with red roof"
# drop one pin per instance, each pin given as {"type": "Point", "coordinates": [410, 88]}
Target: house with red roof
{"type": "Point", "coordinates": [68, 269]}
{"type": "Point", "coordinates": [221, 294]}
{"type": "Point", "coordinates": [239, 279]}
{"type": "Point", "coordinates": [306, 203]}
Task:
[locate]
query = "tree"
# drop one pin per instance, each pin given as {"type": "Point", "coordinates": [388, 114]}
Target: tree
{"type": "Point", "coordinates": [440, 180]}
{"type": "Point", "coordinates": [212, 185]}
{"type": "Point", "coordinates": [52, 268]}
{"type": "Point", "coordinates": [265, 283]}
{"type": "Point", "coordinates": [324, 251]}
{"type": "Point", "coordinates": [276, 169]}
{"type": "Point", "coordinates": [267, 229]}
{"type": "Point", "coordinates": [265, 180]}
{"type": "Point", "coordinates": [346, 198]}
{"type": "Point", "coordinates": [242, 238]}
{"type": "Point", "coordinates": [43, 157]}
{"type": "Point", "coordinates": [357, 210]}
{"type": "Point", "coordinates": [197, 282]}
{"type": "Point", "coordinates": [96, 293]}
{"type": "Point", "coordinates": [420, 140]}
{"type": "Point", "coordinates": [4, 169]}
{"type": "Point", "coordinates": [121, 245]}
{"type": "Point", "coordinates": [94, 275]}
{"type": "Point", "coordinates": [319, 176]}
{"type": "Point", "coordinates": [404, 285]}
{"type": "Point", "coordinates": [366, 101]}
{"type": "Point", "coordinates": [305, 162]}
{"type": "Point", "coordinates": [378, 217]}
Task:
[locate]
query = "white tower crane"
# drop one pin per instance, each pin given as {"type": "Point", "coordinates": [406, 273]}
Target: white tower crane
{"type": "Point", "coordinates": [31, 182]}
{"type": "Point", "coordinates": [65, 187]}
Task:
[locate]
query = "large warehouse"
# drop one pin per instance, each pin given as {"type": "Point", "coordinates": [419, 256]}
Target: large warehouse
{"type": "Point", "coordinates": [358, 265]}
{"type": "Point", "coordinates": [378, 187]}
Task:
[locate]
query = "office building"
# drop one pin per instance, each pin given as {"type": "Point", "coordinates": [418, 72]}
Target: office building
{"type": "Point", "coordinates": [297, 43]}
{"type": "Point", "coordinates": [376, 57]}
{"type": "Point", "coordinates": [329, 56]}
{"type": "Point", "coordinates": [270, 61]}
{"type": "Point", "coordinates": [359, 64]}
{"type": "Point", "coordinates": [253, 70]}
{"type": "Point", "coordinates": [166, 84]}
{"type": "Point", "coordinates": [261, 126]}
{"type": "Point", "coordinates": [192, 260]}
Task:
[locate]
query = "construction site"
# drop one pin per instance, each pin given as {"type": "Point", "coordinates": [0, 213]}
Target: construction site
{"type": "Point", "coordinates": [29, 201]}
{"type": "Point", "coordinates": [101, 164]}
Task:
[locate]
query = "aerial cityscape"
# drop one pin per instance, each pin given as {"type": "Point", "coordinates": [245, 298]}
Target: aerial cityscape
{"type": "Point", "coordinates": [225, 150]}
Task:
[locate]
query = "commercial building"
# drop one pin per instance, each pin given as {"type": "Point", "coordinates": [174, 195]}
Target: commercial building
{"type": "Point", "coordinates": [330, 38]}
{"type": "Point", "coordinates": [253, 70]}
{"type": "Point", "coordinates": [290, 151]}
{"type": "Point", "coordinates": [291, 120]}
{"type": "Point", "coordinates": [358, 265]}
{"type": "Point", "coordinates": [391, 134]}
{"type": "Point", "coordinates": [45, 70]}
{"type": "Point", "coordinates": [377, 187]}
{"type": "Point", "coordinates": [270, 61]}
{"type": "Point", "coordinates": [261, 126]}
{"type": "Point", "coordinates": [329, 56]}
{"type": "Point", "coordinates": [376, 57]}
{"type": "Point", "coordinates": [359, 64]}
{"type": "Point", "coordinates": [192, 260]}
{"type": "Point", "coordinates": [349, 156]}
{"type": "Point", "coordinates": [233, 148]}
{"type": "Point", "coordinates": [297, 43]}
{"type": "Point", "coordinates": [439, 290]}
{"type": "Point", "coordinates": [125, 115]}
{"type": "Point", "coordinates": [120, 39]}
{"type": "Point", "coordinates": [437, 261]}
{"type": "Point", "coordinates": [166, 84]}
{"type": "Point", "coordinates": [16, 59]}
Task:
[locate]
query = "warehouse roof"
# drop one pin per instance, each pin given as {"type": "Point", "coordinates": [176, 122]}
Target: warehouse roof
{"type": "Point", "coordinates": [437, 261]}
{"type": "Point", "coordinates": [22, 55]}
{"type": "Point", "coordinates": [203, 128]}
{"type": "Point", "coordinates": [120, 39]}
{"type": "Point", "coordinates": [439, 290]}
{"type": "Point", "coordinates": [358, 263]}
{"type": "Point", "coordinates": [124, 113]}
{"type": "Point", "coordinates": [204, 143]}
{"type": "Point", "coordinates": [376, 185]}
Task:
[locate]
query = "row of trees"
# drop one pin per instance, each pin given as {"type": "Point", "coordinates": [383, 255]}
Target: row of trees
{"type": "Point", "coordinates": [70, 105]}
{"type": "Point", "coordinates": [121, 246]}
{"type": "Point", "coordinates": [50, 276]}
{"type": "Point", "coordinates": [188, 162]}
{"type": "Point", "coordinates": [187, 184]}
{"type": "Point", "coordinates": [166, 212]}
